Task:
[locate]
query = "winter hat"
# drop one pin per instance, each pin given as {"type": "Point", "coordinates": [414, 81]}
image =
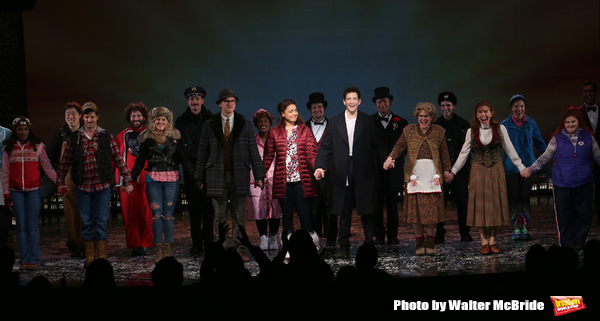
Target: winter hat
{"type": "Point", "coordinates": [517, 97]}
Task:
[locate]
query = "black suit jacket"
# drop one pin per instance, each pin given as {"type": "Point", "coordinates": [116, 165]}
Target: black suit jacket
{"type": "Point", "coordinates": [369, 153]}
{"type": "Point", "coordinates": [394, 177]}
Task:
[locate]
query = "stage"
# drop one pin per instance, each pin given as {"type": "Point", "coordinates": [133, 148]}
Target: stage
{"type": "Point", "coordinates": [458, 270]}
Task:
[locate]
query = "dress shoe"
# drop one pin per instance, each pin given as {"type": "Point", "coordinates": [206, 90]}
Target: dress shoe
{"type": "Point", "coordinates": [485, 249]}
{"type": "Point", "coordinates": [466, 238]}
{"type": "Point", "coordinates": [494, 249]}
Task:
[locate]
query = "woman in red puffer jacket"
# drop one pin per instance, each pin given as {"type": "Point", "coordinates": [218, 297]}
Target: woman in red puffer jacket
{"type": "Point", "coordinates": [293, 148]}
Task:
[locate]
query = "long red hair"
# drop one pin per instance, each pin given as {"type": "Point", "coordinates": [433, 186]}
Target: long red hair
{"type": "Point", "coordinates": [572, 111]}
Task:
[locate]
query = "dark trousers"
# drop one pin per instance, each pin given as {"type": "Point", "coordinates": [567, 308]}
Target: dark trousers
{"type": "Point", "coordinates": [324, 223]}
{"type": "Point", "coordinates": [519, 198]}
{"type": "Point", "coordinates": [574, 208]}
{"type": "Point", "coordinates": [5, 224]}
{"type": "Point", "coordinates": [294, 198]}
{"type": "Point", "coordinates": [458, 191]}
{"type": "Point", "coordinates": [367, 219]}
{"type": "Point", "coordinates": [390, 200]}
{"type": "Point", "coordinates": [201, 213]}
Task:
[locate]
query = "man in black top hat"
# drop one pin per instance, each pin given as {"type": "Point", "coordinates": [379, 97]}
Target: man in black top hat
{"type": "Point", "coordinates": [456, 128]}
{"type": "Point", "coordinates": [392, 181]}
{"type": "Point", "coordinates": [200, 206]}
{"type": "Point", "coordinates": [323, 223]}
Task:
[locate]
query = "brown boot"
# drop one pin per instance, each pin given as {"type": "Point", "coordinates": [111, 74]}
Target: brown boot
{"type": "Point", "coordinates": [90, 252]}
{"type": "Point", "coordinates": [167, 250]}
{"type": "Point", "coordinates": [101, 249]}
{"type": "Point", "coordinates": [420, 245]}
{"type": "Point", "coordinates": [429, 244]}
{"type": "Point", "coordinates": [158, 252]}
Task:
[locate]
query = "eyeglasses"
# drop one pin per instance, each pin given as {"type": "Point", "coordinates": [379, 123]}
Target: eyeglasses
{"type": "Point", "coordinates": [229, 101]}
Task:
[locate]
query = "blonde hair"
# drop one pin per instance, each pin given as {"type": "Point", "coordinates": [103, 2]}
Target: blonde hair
{"type": "Point", "coordinates": [161, 137]}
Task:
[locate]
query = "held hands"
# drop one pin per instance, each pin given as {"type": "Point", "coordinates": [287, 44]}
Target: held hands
{"type": "Point", "coordinates": [63, 189]}
{"type": "Point", "coordinates": [127, 188]}
{"type": "Point", "coordinates": [259, 183]}
{"type": "Point", "coordinates": [389, 163]}
{"type": "Point", "coordinates": [319, 173]}
{"type": "Point", "coordinates": [448, 177]}
{"type": "Point", "coordinates": [525, 173]}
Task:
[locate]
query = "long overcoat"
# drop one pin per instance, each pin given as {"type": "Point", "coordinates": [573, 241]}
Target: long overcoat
{"type": "Point", "coordinates": [211, 168]}
{"type": "Point", "coordinates": [369, 153]}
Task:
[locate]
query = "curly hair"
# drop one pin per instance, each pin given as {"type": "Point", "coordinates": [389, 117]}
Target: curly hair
{"type": "Point", "coordinates": [136, 107]}
{"type": "Point", "coordinates": [427, 107]}
{"type": "Point", "coordinates": [262, 113]}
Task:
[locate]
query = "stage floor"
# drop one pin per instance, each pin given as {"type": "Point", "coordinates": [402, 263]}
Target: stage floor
{"type": "Point", "coordinates": [454, 257]}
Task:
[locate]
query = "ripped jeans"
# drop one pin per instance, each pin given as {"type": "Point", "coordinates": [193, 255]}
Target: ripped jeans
{"type": "Point", "coordinates": [162, 197]}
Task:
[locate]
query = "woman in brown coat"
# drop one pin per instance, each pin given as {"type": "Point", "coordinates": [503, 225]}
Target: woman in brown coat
{"type": "Point", "coordinates": [427, 160]}
{"type": "Point", "coordinates": [292, 146]}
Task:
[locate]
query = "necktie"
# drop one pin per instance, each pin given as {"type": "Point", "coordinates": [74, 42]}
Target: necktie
{"type": "Point", "coordinates": [593, 108]}
{"type": "Point", "coordinates": [318, 122]}
{"type": "Point", "coordinates": [385, 119]}
{"type": "Point", "coordinates": [227, 128]}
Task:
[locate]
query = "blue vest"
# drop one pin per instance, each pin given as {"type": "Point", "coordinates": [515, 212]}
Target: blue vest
{"type": "Point", "coordinates": [573, 165]}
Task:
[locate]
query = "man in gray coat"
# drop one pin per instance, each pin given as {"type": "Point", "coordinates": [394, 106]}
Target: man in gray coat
{"type": "Point", "coordinates": [226, 152]}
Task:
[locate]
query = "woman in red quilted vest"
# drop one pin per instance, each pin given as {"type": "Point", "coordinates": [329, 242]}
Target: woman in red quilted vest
{"type": "Point", "coordinates": [24, 155]}
{"type": "Point", "coordinates": [292, 146]}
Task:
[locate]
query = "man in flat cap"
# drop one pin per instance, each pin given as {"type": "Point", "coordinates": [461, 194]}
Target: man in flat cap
{"type": "Point", "coordinates": [90, 153]}
{"type": "Point", "coordinates": [226, 152]}
{"type": "Point", "coordinates": [456, 128]}
{"type": "Point", "coordinates": [200, 206]}
{"type": "Point", "coordinates": [392, 180]}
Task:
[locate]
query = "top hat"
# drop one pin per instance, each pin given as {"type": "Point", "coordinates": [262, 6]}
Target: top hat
{"type": "Point", "coordinates": [382, 92]}
{"type": "Point", "coordinates": [316, 98]}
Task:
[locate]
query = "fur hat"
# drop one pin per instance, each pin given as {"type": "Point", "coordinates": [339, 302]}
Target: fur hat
{"type": "Point", "coordinates": [447, 96]}
{"type": "Point", "coordinates": [161, 111]}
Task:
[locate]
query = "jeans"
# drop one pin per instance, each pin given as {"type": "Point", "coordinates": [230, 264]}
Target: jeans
{"type": "Point", "coordinates": [94, 209]}
{"type": "Point", "coordinates": [162, 197]}
{"type": "Point", "coordinates": [26, 208]}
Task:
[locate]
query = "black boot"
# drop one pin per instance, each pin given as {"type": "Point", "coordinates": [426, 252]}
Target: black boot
{"type": "Point", "coordinates": [344, 252]}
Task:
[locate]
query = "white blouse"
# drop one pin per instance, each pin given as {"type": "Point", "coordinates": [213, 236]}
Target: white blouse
{"type": "Point", "coordinates": [485, 136]}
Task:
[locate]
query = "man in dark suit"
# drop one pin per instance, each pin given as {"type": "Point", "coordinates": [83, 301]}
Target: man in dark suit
{"type": "Point", "coordinates": [324, 223]}
{"type": "Point", "coordinates": [226, 152]}
{"type": "Point", "coordinates": [590, 112]}
{"type": "Point", "coordinates": [392, 181]}
{"type": "Point", "coordinates": [456, 128]}
{"type": "Point", "coordinates": [351, 153]}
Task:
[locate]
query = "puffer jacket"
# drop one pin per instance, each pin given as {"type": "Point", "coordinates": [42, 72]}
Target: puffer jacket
{"type": "Point", "coordinates": [275, 151]}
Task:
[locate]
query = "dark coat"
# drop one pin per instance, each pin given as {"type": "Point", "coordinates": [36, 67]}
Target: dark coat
{"type": "Point", "coordinates": [276, 150]}
{"type": "Point", "coordinates": [210, 167]}
{"type": "Point", "coordinates": [369, 153]}
{"type": "Point", "coordinates": [190, 127]}
{"type": "Point", "coordinates": [394, 176]}
{"type": "Point", "coordinates": [159, 159]}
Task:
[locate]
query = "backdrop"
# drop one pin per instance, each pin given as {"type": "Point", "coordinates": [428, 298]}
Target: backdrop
{"type": "Point", "coordinates": [115, 52]}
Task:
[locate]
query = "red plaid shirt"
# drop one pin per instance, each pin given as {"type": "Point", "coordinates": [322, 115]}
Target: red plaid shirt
{"type": "Point", "coordinates": [91, 174]}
